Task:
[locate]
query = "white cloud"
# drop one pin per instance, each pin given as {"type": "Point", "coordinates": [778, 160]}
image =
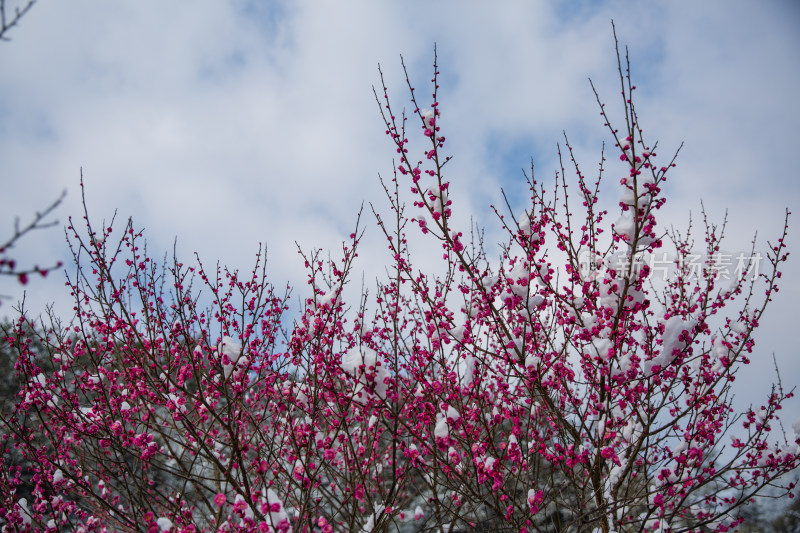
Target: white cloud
{"type": "Point", "coordinates": [231, 123]}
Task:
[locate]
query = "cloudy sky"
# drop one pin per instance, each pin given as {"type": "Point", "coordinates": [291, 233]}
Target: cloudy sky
{"type": "Point", "coordinates": [229, 123]}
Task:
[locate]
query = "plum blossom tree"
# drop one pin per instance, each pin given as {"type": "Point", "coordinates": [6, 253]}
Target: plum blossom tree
{"type": "Point", "coordinates": [8, 264]}
{"type": "Point", "coordinates": [529, 392]}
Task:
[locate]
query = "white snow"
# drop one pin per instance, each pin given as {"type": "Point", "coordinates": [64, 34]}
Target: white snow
{"type": "Point", "coordinates": [614, 477]}
{"type": "Point", "coordinates": [333, 297]}
{"type": "Point", "coordinates": [671, 343]}
{"type": "Point", "coordinates": [248, 511]}
{"type": "Point", "coordinates": [176, 402]}
{"type": "Point", "coordinates": [628, 196]}
{"type": "Point", "coordinates": [680, 448]}
{"type": "Point", "coordinates": [625, 227]}
{"type": "Point", "coordinates": [357, 356]}
{"type": "Point", "coordinates": [519, 278]}
{"type": "Point", "coordinates": [369, 525]}
{"type": "Point", "coordinates": [24, 512]}
{"type": "Point", "coordinates": [428, 116]}
{"type": "Point", "coordinates": [363, 363]}
{"type": "Point", "coordinates": [534, 302]}
{"type": "Point", "coordinates": [452, 413]}
{"type": "Point", "coordinates": [740, 327]}
{"type": "Point", "coordinates": [233, 350]}
{"type": "Point", "coordinates": [164, 523]}
{"type": "Point", "coordinates": [467, 371]}
{"type": "Point", "coordinates": [673, 329]}
{"type": "Point", "coordinates": [442, 429]}
{"type": "Point", "coordinates": [458, 333]}
{"type": "Point", "coordinates": [280, 515]}
{"type": "Point", "coordinates": [601, 348]}
{"type": "Point", "coordinates": [439, 198]}
{"type": "Point", "coordinates": [525, 224]}
{"type": "Point", "coordinates": [488, 282]}
{"type": "Point", "coordinates": [624, 363]}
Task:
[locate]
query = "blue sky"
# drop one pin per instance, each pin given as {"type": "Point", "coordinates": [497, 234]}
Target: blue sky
{"type": "Point", "coordinates": [231, 123]}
